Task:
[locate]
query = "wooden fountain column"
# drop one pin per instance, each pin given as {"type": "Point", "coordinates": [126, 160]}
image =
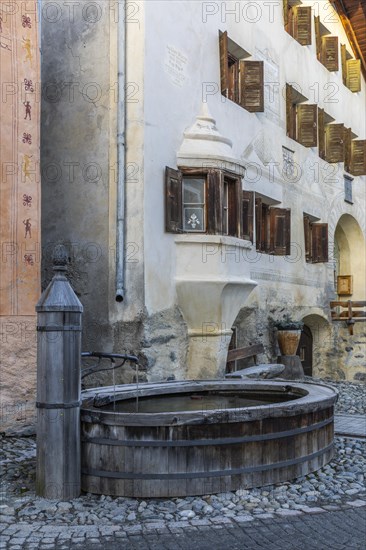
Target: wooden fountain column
{"type": "Point", "coordinates": [58, 386]}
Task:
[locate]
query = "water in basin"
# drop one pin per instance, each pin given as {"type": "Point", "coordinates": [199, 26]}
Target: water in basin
{"type": "Point", "coordinates": [198, 402]}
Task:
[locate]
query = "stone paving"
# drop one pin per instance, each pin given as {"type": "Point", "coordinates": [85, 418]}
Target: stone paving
{"type": "Point", "coordinates": [350, 424]}
{"type": "Point", "coordinates": [325, 509]}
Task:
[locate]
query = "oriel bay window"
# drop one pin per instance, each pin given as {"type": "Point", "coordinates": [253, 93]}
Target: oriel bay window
{"type": "Point", "coordinates": [202, 201]}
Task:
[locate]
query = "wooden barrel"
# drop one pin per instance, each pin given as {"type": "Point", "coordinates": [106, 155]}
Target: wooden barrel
{"type": "Point", "coordinates": [202, 452]}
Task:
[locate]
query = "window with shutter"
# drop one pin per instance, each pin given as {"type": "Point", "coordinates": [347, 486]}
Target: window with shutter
{"type": "Point", "coordinates": [280, 231]}
{"type": "Point", "coordinates": [316, 241]}
{"type": "Point", "coordinates": [307, 127]}
{"type": "Point", "coordinates": [173, 201]}
{"type": "Point", "coordinates": [214, 202]}
{"type": "Point", "coordinates": [302, 24]}
{"type": "Point", "coordinates": [205, 201]}
{"type": "Point", "coordinates": [318, 37]}
{"type": "Point", "coordinates": [224, 63]}
{"type": "Point", "coordinates": [329, 52]}
{"type": "Point", "coordinates": [319, 241]}
{"type": "Point", "coordinates": [344, 63]}
{"type": "Point", "coordinates": [252, 86]}
{"type": "Point", "coordinates": [290, 113]}
{"type": "Point", "coordinates": [242, 81]}
{"type": "Point", "coordinates": [259, 240]}
{"type": "Point", "coordinates": [334, 143]}
{"type": "Point", "coordinates": [358, 158]}
{"type": "Point", "coordinates": [307, 238]}
{"type": "Point", "coordinates": [347, 148]}
{"type": "Point", "coordinates": [321, 134]}
{"type": "Point", "coordinates": [353, 76]}
{"type": "Point", "coordinates": [247, 215]}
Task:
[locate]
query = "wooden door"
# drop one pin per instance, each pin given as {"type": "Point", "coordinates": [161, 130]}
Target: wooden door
{"type": "Point", "coordinates": [305, 351]}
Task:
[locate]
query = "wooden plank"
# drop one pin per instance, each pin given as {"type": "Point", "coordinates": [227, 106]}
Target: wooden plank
{"type": "Point", "coordinates": [243, 353]}
{"type": "Point", "coordinates": [345, 303]}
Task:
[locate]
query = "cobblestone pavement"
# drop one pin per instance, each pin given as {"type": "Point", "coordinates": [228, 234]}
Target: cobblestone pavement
{"type": "Point", "coordinates": [332, 530]}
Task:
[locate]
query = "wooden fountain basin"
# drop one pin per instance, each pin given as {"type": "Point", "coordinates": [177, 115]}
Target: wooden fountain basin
{"type": "Point", "coordinates": [237, 434]}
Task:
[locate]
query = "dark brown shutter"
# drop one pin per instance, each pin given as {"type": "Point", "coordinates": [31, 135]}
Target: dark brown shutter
{"type": "Point", "coordinates": [319, 238]}
{"type": "Point", "coordinates": [290, 113]}
{"type": "Point", "coordinates": [347, 148]}
{"type": "Point", "coordinates": [285, 12]}
{"type": "Point", "coordinates": [307, 238]}
{"type": "Point", "coordinates": [344, 63]}
{"type": "Point", "coordinates": [214, 202]}
{"type": "Point", "coordinates": [224, 64]}
{"type": "Point", "coordinates": [321, 134]}
{"type": "Point", "coordinates": [258, 224]}
{"type": "Point", "coordinates": [318, 37]}
{"type": "Point", "coordinates": [252, 86]}
{"type": "Point", "coordinates": [302, 25]}
{"type": "Point", "coordinates": [334, 143]}
{"type": "Point", "coordinates": [353, 78]}
{"type": "Point", "coordinates": [173, 201]}
{"type": "Point", "coordinates": [307, 127]}
{"type": "Point", "coordinates": [247, 215]}
{"type": "Point", "coordinates": [329, 56]}
{"type": "Point", "coordinates": [280, 231]}
{"type": "Point", "coordinates": [358, 158]}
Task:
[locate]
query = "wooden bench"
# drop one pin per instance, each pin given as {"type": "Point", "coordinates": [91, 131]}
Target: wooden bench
{"type": "Point", "coordinates": [264, 370]}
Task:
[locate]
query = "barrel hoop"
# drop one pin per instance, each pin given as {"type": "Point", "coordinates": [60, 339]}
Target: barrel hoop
{"type": "Point", "coordinates": [71, 405]}
{"type": "Point", "coordinates": [215, 473]}
{"type": "Point", "coordinates": [61, 328]}
{"type": "Point", "coordinates": [205, 442]}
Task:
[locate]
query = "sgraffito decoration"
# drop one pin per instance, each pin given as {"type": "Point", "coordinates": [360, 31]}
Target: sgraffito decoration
{"type": "Point", "coordinates": [19, 154]}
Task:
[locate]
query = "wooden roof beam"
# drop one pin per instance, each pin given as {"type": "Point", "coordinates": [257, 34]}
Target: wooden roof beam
{"type": "Point", "coordinates": [347, 25]}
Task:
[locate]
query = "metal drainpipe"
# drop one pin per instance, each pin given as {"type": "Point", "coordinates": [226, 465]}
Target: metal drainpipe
{"type": "Point", "coordinates": [121, 133]}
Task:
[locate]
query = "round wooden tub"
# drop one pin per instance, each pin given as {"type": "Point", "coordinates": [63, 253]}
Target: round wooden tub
{"type": "Point", "coordinates": [204, 450]}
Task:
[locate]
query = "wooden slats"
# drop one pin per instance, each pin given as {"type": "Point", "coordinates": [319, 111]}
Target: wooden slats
{"type": "Point", "coordinates": [353, 75]}
{"type": "Point", "coordinates": [350, 315]}
{"type": "Point", "coordinates": [302, 25]}
{"type": "Point", "coordinates": [334, 143]}
{"type": "Point", "coordinates": [307, 127]}
{"type": "Point", "coordinates": [329, 52]}
{"type": "Point", "coordinates": [358, 158]}
{"type": "Point", "coordinates": [252, 86]}
{"type": "Point", "coordinates": [244, 353]}
{"type": "Point", "coordinates": [224, 66]}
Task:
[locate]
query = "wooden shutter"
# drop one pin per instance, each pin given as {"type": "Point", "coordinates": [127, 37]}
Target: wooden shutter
{"type": "Point", "coordinates": [258, 224]}
{"type": "Point", "coordinates": [319, 240]}
{"type": "Point", "coordinates": [251, 86]}
{"type": "Point", "coordinates": [307, 238]}
{"type": "Point", "coordinates": [214, 202]}
{"type": "Point", "coordinates": [347, 148]}
{"type": "Point", "coordinates": [353, 77]}
{"type": "Point", "coordinates": [224, 65]}
{"type": "Point", "coordinates": [318, 37]}
{"type": "Point", "coordinates": [173, 201]}
{"type": "Point", "coordinates": [247, 215]}
{"type": "Point", "coordinates": [329, 55]}
{"type": "Point", "coordinates": [321, 134]}
{"type": "Point", "coordinates": [307, 127]}
{"type": "Point", "coordinates": [358, 158]}
{"type": "Point", "coordinates": [280, 231]}
{"type": "Point", "coordinates": [302, 25]}
{"type": "Point", "coordinates": [290, 113]}
{"type": "Point", "coordinates": [344, 63]}
{"type": "Point", "coordinates": [334, 143]}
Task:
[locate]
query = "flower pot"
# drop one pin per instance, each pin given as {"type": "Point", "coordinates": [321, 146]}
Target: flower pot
{"type": "Point", "coordinates": [288, 340]}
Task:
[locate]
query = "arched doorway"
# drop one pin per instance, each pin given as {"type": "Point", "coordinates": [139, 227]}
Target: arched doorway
{"type": "Point", "coordinates": [305, 350]}
{"type": "Point", "coordinates": [349, 256]}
